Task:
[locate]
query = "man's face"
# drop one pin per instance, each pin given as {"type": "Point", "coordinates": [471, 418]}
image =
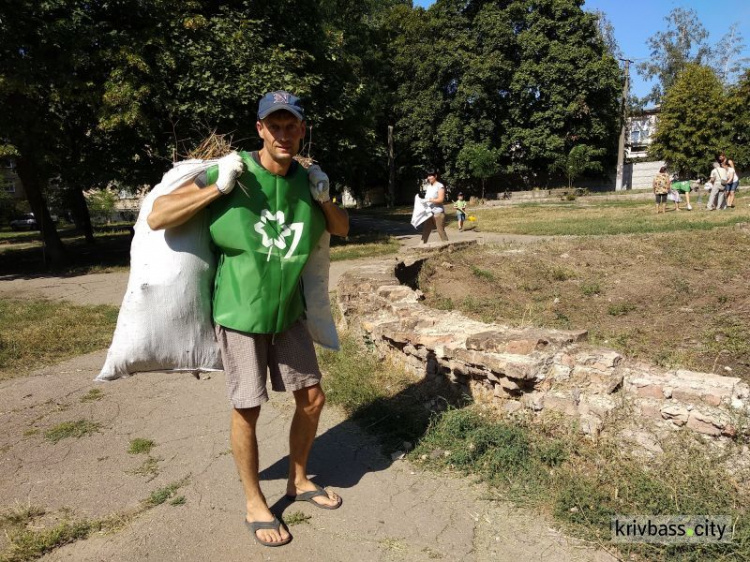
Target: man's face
{"type": "Point", "coordinates": [282, 135]}
{"type": "Point", "coordinates": [431, 178]}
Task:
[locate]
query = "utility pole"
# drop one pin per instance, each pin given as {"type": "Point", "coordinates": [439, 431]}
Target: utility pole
{"type": "Point", "coordinates": [621, 144]}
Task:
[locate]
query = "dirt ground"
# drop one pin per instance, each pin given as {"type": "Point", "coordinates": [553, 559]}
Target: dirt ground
{"type": "Point", "coordinates": [677, 300]}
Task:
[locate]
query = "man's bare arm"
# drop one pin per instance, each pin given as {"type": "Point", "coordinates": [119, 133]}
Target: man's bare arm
{"type": "Point", "coordinates": [337, 219]}
{"type": "Point", "coordinates": [181, 205]}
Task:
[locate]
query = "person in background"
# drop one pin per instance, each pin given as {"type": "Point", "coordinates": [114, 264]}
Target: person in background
{"type": "Point", "coordinates": [733, 180]}
{"type": "Point", "coordinates": [434, 199]}
{"type": "Point", "coordinates": [661, 186]}
{"type": "Point", "coordinates": [460, 206]}
{"type": "Point", "coordinates": [682, 188]}
{"type": "Point", "coordinates": [718, 181]}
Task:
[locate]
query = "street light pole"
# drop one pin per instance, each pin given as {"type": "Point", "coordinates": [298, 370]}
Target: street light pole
{"type": "Point", "coordinates": [621, 144]}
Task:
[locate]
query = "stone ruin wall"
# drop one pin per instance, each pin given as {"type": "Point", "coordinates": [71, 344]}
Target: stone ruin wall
{"type": "Point", "coordinates": [537, 370]}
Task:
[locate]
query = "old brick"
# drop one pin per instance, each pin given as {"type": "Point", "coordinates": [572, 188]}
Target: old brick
{"type": "Point", "coordinates": [650, 391]}
{"type": "Point", "coordinates": [696, 422]}
{"type": "Point", "coordinates": [559, 372]}
{"type": "Point", "coordinates": [533, 401]}
{"type": "Point", "coordinates": [500, 392]}
{"type": "Point", "coordinates": [523, 367]}
{"type": "Point", "coordinates": [650, 409]}
{"type": "Point", "coordinates": [677, 414]}
{"type": "Point", "coordinates": [560, 402]}
{"type": "Point", "coordinates": [509, 384]}
{"type": "Point", "coordinates": [602, 360]}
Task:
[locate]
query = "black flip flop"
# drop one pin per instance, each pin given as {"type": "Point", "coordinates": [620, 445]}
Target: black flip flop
{"type": "Point", "coordinates": [317, 493]}
{"type": "Point", "coordinates": [275, 524]}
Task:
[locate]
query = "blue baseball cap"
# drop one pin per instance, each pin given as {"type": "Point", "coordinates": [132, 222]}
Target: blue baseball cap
{"type": "Point", "coordinates": [276, 101]}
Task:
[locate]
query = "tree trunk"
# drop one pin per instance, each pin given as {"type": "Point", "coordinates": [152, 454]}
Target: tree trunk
{"type": "Point", "coordinates": [391, 169]}
{"type": "Point", "coordinates": [81, 213]}
{"type": "Point", "coordinates": [53, 250]}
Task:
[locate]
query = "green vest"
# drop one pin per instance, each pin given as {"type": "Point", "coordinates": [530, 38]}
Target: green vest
{"type": "Point", "coordinates": [264, 230]}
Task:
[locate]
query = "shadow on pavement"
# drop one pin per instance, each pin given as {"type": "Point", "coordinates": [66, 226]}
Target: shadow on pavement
{"type": "Point", "coordinates": [365, 442]}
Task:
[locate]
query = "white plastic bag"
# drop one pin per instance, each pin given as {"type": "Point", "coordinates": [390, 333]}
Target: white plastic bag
{"type": "Point", "coordinates": [165, 317]}
{"type": "Point", "coordinates": [421, 212]}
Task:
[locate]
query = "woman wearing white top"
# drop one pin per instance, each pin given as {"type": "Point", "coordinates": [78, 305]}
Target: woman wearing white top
{"type": "Point", "coordinates": [716, 197]}
{"type": "Point", "coordinates": [434, 197]}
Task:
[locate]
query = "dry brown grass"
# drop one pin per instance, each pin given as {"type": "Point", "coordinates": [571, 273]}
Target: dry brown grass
{"type": "Point", "coordinates": [675, 299]}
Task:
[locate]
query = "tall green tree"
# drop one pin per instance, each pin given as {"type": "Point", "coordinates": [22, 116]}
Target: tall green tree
{"type": "Point", "coordinates": [686, 41]}
{"type": "Point", "coordinates": [692, 124]}
{"type": "Point", "coordinates": [527, 78]}
{"type": "Point", "coordinates": [480, 161]}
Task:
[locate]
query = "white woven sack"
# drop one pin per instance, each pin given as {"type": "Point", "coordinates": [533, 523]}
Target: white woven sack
{"type": "Point", "coordinates": [165, 317]}
{"type": "Point", "coordinates": [319, 319]}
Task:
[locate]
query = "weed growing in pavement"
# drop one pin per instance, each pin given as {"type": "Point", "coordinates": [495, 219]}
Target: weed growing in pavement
{"type": "Point", "coordinates": [66, 430]}
{"type": "Point", "coordinates": [25, 544]}
{"type": "Point", "coordinates": [21, 515]}
{"type": "Point", "coordinates": [149, 468]}
{"type": "Point", "coordinates": [140, 446]}
{"type": "Point", "coordinates": [93, 395]}
{"type": "Point", "coordinates": [161, 495]}
{"type": "Point", "coordinates": [296, 518]}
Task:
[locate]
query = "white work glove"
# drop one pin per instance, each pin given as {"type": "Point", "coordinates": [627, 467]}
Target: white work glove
{"type": "Point", "coordinates": [318, 183]}
{"type": "Point", "coordinates": [230, 168]}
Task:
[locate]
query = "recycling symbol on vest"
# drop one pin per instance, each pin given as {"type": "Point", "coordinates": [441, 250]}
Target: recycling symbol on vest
{"type": "Point", "coordinates": [283, 230]}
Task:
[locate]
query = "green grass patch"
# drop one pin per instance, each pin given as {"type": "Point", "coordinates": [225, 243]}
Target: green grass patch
{"type": "Point", "coordinates": [93, 395]}
{"type": "Point", "coordinates": [67, 430]}
{"type": "Point", "coordinates": [590, 288]}
{"type": "Point", "coordinates": [296, 518]}
{"type": "Point", "coordinates": [382, 399]}
{"type": "Point", "coordinates": [34, 333]}
{"type": "Point", "coordinates": [584, 484]}
{"type": "Point", "coordinates": [593, 218]}
{"type": "Point", "coordinates": [140, 446]}
{"type": "Point", "coordinates": [620, 309]}
{"type": "Point", "coordinates": [179, 500]}
{"type": "Point", "coordinates": [364, 247]}
{"type": "Point", "coordinates": [482, 273]}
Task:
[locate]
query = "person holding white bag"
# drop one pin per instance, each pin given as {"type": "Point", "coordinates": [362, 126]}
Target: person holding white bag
{"type": "Point", "coordinates": [265, 221]}
{"type": "Point", "coordinates": [718, 180]}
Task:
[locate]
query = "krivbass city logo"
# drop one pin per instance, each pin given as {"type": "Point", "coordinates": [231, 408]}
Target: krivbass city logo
{"type": "Point", "coordinates": [672, 529]}
{"type": "Point", "coordinates": [279, 232]}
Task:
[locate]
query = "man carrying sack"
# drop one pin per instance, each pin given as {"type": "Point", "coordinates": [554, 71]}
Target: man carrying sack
{"type": "Point", "coordinates": [264, 221]}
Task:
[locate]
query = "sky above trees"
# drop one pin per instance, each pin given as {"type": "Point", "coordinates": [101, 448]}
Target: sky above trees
{"type": "Point", "coordinates": [637, 20]}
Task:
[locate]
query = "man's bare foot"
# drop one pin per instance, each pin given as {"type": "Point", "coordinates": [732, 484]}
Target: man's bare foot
{"type": "Point", "coordinates": [263, 514]}
{"type": "Point", "coordinates": [327, 499]}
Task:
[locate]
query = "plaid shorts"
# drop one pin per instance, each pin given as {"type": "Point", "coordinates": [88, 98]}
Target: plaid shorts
{"type": "Point", "coordinates": [289, 356]}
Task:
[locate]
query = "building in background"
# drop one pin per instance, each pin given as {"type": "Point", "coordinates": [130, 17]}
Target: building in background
{"type": "Point", "coordinates": [10, 184]}
{"type": "Point", "coordinates": [639, 170]}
